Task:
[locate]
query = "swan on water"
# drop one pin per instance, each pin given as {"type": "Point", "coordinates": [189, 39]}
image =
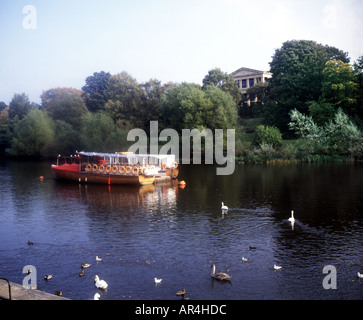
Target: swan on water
{"type": "Point", "coordinates": [292, 219]}
{"type": "Point", "coordinates": [157, 281]}
{"type": "Point", "coordinates": [277, 267]}
{"type": "Point", "coordinates": [98, 259]}
{"type": "Point", "coordinates": [100, 284]}
{"type": "Point", "coordinates": [97, 296]}
{"type": "Point", "coordinates": [220, 276]}
{"type": "Point", "coordinates": [224, 208]}
{"type": "Point", "coordinates": [360, 275]}
{"type": "Point", "coordinates": [244, 259]}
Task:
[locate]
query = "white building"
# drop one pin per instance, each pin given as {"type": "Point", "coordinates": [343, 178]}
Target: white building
{"type": "Point", "coordinates": [247, 78]}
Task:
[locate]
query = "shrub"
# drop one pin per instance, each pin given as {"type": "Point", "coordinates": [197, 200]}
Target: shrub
{"type": "Point", "coordinates": [266, 135]}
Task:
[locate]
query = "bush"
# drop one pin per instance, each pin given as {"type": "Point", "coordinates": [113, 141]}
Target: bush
{"type": "Point", "coordinates": [266, 135]}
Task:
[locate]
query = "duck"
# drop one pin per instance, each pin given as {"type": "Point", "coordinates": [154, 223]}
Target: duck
{"type": "Point", "coordinates": [360, 275]}
{"type": "Point", "coordinates": [85, 266]}
{"type": "Point", "coordinates": [224, 208]}
{"type": "Point", "coordinates": [277, 267]}
{"type": "Point", "coordinates": [181, 293]}
{"type": "Point", "coordinates": [81, 273]}
{"type": "Point", "coordinates": [98, 259]}
{"type": "Point", "coordinates": [58, 293]}
{"type": "Point", "coordinates": [30, 243]}
{"type": "Point", "coordinates": [244, 259]}
{"type": "Point", "coordinates": [97, 296]}
{"type": "Point", "coordinates": [100, 284]}
{"type": "Point", "coordinates": [219, 276]}
{"type": "Point", "coordinates": [292, 219]}
{"type": "Point", "coordinates": [48, 276]}
{"type": "Point", "coordinates": [157, 281]}
{"type": "Point", "coordinates": [252, 248]}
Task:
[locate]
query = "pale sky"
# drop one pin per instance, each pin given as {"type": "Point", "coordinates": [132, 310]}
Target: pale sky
{"type": "Point", "coordinates": [58, 43]}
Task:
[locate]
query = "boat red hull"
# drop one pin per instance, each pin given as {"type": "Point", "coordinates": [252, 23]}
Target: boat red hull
{"type": "Point", "coordinates": [90, 177]}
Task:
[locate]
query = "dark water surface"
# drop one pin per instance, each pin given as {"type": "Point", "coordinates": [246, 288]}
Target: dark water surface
{"type": "Point", "coordinates": [176, 234]}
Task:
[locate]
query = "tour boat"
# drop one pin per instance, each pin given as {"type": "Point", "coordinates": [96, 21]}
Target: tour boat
{"type": "Point", "coordinates": [116, 168]}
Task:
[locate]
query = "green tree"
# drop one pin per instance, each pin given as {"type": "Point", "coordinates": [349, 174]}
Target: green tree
{"type": "Point", "coordinates": [33, 136]}
{"type": "Point", "coordinates": [297, 69]}
{"type": "Point", "coordinates": [223, 111]}
{"type": "Point", "coordinates": [124, 99]}
{"type": "Point", "coordinates": [339, 89]}
{"type": "Point", "coordinates": [223, 81]}
{"type": "Point", "coordinates": [64, 104]}
{"type": "Point", "coordinates": [19, 106]}
{"type": "Point", "coordinates": [100, 134]}
{"type": "Point", "coordinates": [185, 107]}
{"type": "Point", "coordinates": [94, 91]}
{"type": "Point", "coordinates": [151, 94]}
{"type": "Point", "coordinates": [339, 136]}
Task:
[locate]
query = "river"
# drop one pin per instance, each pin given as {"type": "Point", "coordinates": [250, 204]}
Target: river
{"type": "Point", "coordinates": [176, 234]}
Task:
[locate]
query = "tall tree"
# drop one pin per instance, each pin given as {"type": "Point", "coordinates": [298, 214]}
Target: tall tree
{"type": "Point", "coordinates": [19, 106]}
{"type": "Point", "coordinates": [124, 99]}
{"type": "Point", "coordinates": [223, 81]}
{"type": "Point", "coordinates": [297, 69]}
{"type": "Point", "coordinates": [64, 104]}
{"type": "Point", "coordinates": [94, 91]}
{"type": "Point", "coordinates": [33, 135]}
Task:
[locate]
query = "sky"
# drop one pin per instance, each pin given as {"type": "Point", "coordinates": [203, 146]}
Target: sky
{"type": "Point", "coordinates": [59, 43]}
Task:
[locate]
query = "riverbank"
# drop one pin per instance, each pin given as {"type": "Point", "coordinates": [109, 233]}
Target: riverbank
{"type": "Point", "coordinates": [18, 292]}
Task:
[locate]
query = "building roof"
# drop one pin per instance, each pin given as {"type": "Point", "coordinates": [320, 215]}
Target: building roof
{"type": "Point", "coordinates": [244, 72]}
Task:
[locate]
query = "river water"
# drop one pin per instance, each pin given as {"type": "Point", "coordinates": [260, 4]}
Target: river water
{"type": "Point", "coordinates": [177, 234]}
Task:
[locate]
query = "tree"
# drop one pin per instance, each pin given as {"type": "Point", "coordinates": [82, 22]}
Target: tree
{"type": "Point", "coordinates": [99, 133]}
{"type": "Point", "coordinates": [223, 112]}
{"type": "Point", "coordinates": [151, 94]}
{"type": "Point", "coordinates": [124, 98]}
{"type": "Point", "coordinates": [187, 106]}
{"type": "Point", "coordinates": [338, 90]}
{"type": "Point", "coordinates": [297, 69]}
{"type": "Point", "coordinates": [339, 136]}
{"type": "Point", "coordinates": [2, 105]}
{"type": "Point", "coordinates": [95, 91]}
{"type": "Point", "coordinates": [19, 106]}
{"type": "Point", "coordinates": [223, 81]}
{"type": "Point", "coordinates": [33, 136]}
{"type": "Point", "coordinates": [64, 104]}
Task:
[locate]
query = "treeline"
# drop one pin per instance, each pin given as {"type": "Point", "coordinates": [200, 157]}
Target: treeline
{"type": "Point", "coordinates": [99, 116]}
{"type": "Point", "coordinates": [309, 80]}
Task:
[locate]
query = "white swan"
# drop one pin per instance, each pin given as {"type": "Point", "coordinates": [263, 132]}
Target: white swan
{"type": "Point", "coordinates": [224, 208]}
{"type": "Point", "coordinates": [219, 276]}
{"type": "Point", "coordinates": [292, 219]}
{"type": "Point", "coordinates": [157, 281]}
{"type": "Point", "coordinates": [277, 267]}
{"type": "Point", "coordinates": [98, 259]}
{"type": "Point", "coordinates": [97, 296]}
{"type": "Point", "coordinates": [100, 284]}
{"type": "Point", "coordinates": [244, 259]}
{"type": "Point", "coordinates": [360, 275]}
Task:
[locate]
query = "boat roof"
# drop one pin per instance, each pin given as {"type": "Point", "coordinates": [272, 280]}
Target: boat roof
{"type": "Point", "coordinates": [124, 155]}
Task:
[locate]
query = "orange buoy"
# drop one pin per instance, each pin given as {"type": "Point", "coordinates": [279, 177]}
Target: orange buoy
{"type": "Point", "coordinates": [41, 178]}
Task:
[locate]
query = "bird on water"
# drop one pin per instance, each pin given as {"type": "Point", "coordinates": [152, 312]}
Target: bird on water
{"type": "Point", "coordinates": [220, 275]}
